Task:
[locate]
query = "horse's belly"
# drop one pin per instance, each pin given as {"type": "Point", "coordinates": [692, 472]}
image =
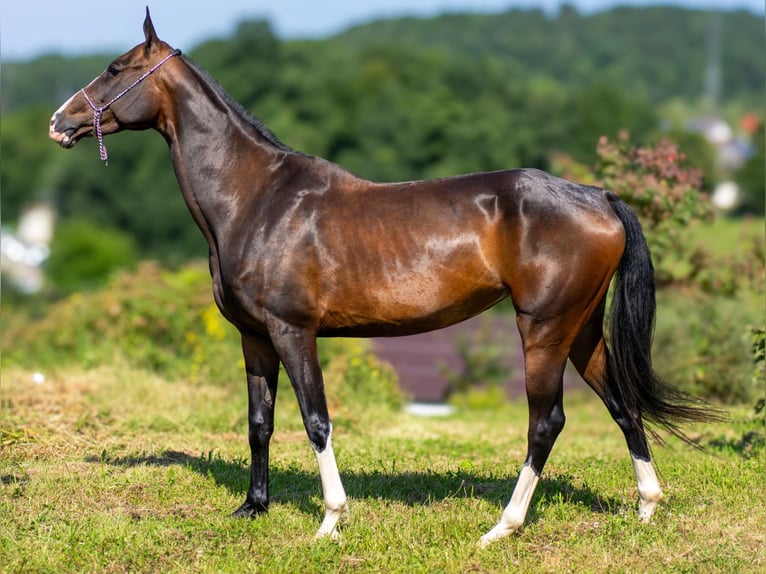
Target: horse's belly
{"type": "Point", "coordinates": [407, 307]}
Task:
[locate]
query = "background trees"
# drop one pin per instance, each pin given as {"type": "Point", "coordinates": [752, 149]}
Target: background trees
{"type": "Point", "coordinates": [399, 99]}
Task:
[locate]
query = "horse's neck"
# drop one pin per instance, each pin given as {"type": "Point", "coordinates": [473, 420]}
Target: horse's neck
{"type": "Point", "coordinates": [219, 157]}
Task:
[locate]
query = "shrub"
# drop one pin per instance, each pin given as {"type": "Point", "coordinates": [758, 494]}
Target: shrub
{"type": "Point", "coordinates": [702, 344]}
{"type": "Point", "coordinates": [166, 322]}
{"type": "Point", "coordinates": [663, 190]}
{"type": "Point", "coordinates": [357, 383]}
{"type": "Point", "coordinates": [149, 316]}
{"type": "Point", "coordinates": [84, 255]}
{"type": "Point", "coordinates": [657, 182]}
{"type": "Point", "coordinates": [759, 359]}
{"type": "Point", "coordinates": [485, 370]}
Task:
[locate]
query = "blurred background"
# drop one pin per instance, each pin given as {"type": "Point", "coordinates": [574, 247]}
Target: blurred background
{"type": "Point", "coordinates": [670, 95]}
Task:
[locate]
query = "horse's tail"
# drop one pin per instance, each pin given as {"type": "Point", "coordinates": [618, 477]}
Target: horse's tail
{"type": "Point", "coordinates": [629, 365]}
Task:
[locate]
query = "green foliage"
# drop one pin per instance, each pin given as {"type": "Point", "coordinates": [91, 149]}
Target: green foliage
{"type": "Point", "coordinates": [752, 177]}
{"type": "Point", "coordinates": [166, 322]}
{"type": "Point", "coordinates": [654, 52]}
{"type": "Point", "coordinates": [357, 382]}
{"type": "Point", "coordinates": [150, 317]}
{"type": "Point", "coordinates": [252, 47]}
{"type": "Point", "coordinates": [479, 398]}
{"type": "Point", "coordinates": [485, 369]}
{"type": "Point", "coordinates": [83, 255]}
{"type": "Point", "coordinates": [704, 320]}
{"type": "Point", "coordinates": [46, 80]}
{"type": "Point", "coordinates": [702, 344]}
{"type": "Point", "coordinates": [759, 376]}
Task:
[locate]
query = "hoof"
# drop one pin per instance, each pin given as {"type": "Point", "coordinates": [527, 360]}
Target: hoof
{"type": "Point", "coordinates": [333, 536]}
{"type": "Point", "coordinates": [647, 506]}
{"type": "Point", "coordinates": [329, 526]}
{"type": "Point", "coordinates": [494, 535]}
{"type": "Point", "coordinates": [250, 510]}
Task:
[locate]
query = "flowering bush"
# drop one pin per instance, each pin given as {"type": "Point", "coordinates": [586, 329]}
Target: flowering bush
{"type": "Point", "coordinates": [665, 193]}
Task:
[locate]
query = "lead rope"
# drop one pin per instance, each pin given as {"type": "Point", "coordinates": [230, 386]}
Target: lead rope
{"type": "Point", "coordinates": [99, 111]}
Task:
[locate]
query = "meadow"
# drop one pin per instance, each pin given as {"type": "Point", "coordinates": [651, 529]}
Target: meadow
{"type": "Point", "coordinates": [118, 469]}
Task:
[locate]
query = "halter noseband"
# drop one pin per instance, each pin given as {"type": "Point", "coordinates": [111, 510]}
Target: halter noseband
{"type": "Point", "coordinates": [98, 111]}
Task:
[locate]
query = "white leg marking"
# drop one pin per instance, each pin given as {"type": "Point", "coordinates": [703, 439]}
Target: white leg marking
{"type": "Point", "coordinates": [649, 490]}
{"type": "Point", "coordinates": [514, 514]}
{"type": "Point", "coordinates": [65, 105]}
{"type": "Point", "coordinates": [334, 496]}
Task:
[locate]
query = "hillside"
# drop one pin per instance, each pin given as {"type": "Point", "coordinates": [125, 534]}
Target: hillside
{"type": "Point", "coordinates": [654, 52]}
{"type": "Point", "coordinates": [657, 53]}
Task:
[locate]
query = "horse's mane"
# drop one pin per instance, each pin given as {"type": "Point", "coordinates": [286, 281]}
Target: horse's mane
{"type": "Point", "coordinates": [234, 105]}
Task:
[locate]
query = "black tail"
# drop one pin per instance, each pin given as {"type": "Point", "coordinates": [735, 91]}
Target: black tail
{"type": "Point", "coordinates": [629, 365]}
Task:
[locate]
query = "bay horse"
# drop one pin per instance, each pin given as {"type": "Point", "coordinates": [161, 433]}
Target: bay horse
{"type": "Point", "coordinates": [300, 248]}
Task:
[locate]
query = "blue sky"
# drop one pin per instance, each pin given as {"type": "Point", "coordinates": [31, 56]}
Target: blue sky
{"type": "Point", "coordinates": [33, 27]}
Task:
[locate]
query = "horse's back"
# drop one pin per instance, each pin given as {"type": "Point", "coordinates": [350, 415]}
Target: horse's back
{"type": "Point", "coordinates": [402, 258]}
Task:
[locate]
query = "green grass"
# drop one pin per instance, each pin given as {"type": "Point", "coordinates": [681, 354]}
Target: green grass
{"type": "Point", "coordinates": [116, 470]}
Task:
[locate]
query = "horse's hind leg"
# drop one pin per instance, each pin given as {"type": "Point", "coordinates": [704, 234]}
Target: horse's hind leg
{"type": "Point", "coordinates": [589, 355]}
{"type": "Point", "coordinates": [545, 354]}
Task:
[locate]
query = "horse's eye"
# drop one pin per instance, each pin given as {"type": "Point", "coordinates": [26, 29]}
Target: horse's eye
{"type": "Point", "coordinates": [112, 71]}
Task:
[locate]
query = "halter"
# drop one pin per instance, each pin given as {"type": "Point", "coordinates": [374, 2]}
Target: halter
{"type": "Point", "coordinates": [98, 111]}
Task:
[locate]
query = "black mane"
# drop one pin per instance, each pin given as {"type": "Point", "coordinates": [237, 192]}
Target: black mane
{"type": "Point", "coordinates": [236, 106]}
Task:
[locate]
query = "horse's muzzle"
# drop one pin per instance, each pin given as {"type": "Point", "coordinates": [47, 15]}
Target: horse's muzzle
{"type": "Point", "coordinates": [59, 132]}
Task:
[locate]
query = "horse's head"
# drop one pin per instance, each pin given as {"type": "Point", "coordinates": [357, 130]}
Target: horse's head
{"type": "Point", "coordinates": [124, 96]}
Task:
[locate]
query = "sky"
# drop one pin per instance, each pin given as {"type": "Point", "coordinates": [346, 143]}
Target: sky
{"type": "Point", "coordinates": [30, 28]}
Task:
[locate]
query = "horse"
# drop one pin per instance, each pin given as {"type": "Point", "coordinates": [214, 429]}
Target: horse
{"type": "Point", "coordinates": [300, 248]}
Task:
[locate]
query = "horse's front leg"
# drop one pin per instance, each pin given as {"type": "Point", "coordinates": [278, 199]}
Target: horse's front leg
{"type": "Point", "coordinates": [262, 367]}
{"type": "Point", "coordinates": [297, 349]}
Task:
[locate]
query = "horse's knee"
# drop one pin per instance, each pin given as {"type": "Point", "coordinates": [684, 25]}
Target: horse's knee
{"type": "Point", "coordinates": [260, 412]}
{"type": "Point", "coordinates": [259, 433]}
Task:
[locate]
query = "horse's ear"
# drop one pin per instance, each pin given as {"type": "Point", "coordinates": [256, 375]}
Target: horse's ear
{"type": "Point", "coordinates": [149, 33]}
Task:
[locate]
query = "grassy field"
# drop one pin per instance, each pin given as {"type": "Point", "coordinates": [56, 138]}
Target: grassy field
{"type": "Point", "coordinates": [117, 470]}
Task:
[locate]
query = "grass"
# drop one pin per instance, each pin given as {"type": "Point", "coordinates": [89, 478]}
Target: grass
{"type": "Point", "coordinates": [118, 470]}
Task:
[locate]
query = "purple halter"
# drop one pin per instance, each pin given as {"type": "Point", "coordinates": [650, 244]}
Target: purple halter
{"type": "Point", "coordinates": [98, 111]}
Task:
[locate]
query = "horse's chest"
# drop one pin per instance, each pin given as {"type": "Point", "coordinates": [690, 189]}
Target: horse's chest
{"type": "Point", "coordinates": [240, 301]}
